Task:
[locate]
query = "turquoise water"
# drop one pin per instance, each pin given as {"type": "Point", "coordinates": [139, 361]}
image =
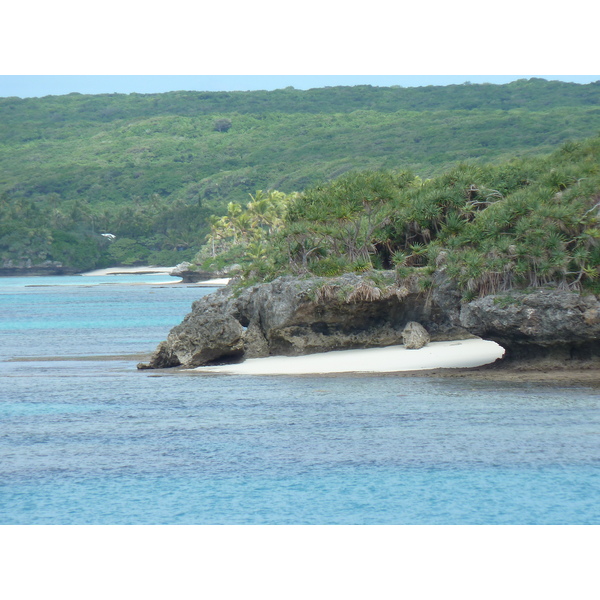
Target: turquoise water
{"type": "Point", "coordinates": [95, 441]}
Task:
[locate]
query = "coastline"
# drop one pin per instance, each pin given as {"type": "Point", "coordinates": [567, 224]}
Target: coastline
{"type": "Point", "coordinates": [583, 374]}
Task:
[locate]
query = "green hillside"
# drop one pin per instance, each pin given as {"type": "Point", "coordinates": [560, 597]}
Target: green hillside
{"type": "Point", "coordinates": [151, 168]}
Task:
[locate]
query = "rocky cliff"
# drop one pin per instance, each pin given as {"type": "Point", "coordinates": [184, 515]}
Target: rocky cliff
{"type": "Point", "coordinates": [554, 326]}
{"type": "Point", "coordinates": [293, 316]}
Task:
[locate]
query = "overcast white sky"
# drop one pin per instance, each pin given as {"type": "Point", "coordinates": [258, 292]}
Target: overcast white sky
{"type": "Point", "coordinates": [235, 45]}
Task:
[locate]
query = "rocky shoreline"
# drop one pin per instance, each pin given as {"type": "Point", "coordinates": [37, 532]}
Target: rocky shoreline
{"type": "Point", "coordinates": [559, 373]}
{"type": "Point", "coordinates": [294, 316]}
{"type": "Point", "coordinates": [25, 268]}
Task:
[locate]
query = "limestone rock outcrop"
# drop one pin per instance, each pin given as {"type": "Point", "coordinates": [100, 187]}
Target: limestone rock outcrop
{"type": "Point", "coordinates": [415, 336]}
{"type": "Point", "coordinates": [190, 273]}
{"type": "Point", "coordinates": [293, 316]}
{"type": "Point", "coordinates": [208, 333]}
{"type": "Point", "coordinates": [543, 324]}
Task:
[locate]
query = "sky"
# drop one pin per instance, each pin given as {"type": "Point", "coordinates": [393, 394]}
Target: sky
{"type": "Point", "coordinates": [126, 46]}
{"type": "Point", "coordinates": [25, 86]}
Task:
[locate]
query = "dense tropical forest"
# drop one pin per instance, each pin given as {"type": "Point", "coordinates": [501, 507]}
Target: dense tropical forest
{"type": "Point", "coordinates": [160, 171]}
{"type": "Point", "coordinates": [524, 223]}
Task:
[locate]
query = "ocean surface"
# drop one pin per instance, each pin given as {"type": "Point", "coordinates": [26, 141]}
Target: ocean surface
{"type": "Point", "coordinates": [85, 438]}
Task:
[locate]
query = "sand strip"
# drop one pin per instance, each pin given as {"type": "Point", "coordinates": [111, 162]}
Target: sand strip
{"type": "Point", "coordinates": [128, 271]}
{"type": "Point", "coordinates": [436, 355]}
{"type": "Point", "coordinates": [154, 270]}
{"type": "Point", "coordinates": [211, 283]}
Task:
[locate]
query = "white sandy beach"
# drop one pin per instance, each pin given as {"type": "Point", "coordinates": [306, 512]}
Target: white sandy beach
{"type": "Point", "coordinates": [153, 270]}
{"type": "Point", "coordinates": [128, 271]}
{"type": "Point", "coordinates": [393, 359]}
{"type": "Point", "coordinates": [211, 283]}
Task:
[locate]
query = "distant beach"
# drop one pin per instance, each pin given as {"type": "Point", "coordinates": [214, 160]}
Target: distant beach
{"type": "Point", "coordinates": [152, 270]}
{"type": "Point", "coordinates": [127, 271]}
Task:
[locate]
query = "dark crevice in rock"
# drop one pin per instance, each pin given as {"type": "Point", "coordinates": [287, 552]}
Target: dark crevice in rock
{"type": "Point", "coordinates": [557, 353]}
{"type": "Point", "coordinates": [227, 359]}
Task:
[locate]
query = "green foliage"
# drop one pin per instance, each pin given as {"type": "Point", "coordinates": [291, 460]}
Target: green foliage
{"type": "Point", "coordinates": [329, 267]}
{"type": "Point", "coordinates": [361, 265]}
{"type": "Point", "coordinates": [241, 235]}
{"type": "Point", "coordinates": [344, 217]}
{"type": "Point", "coordinates": [154, 167]}
{"type": "Point", "coordinates": [505, 301]}
{"type": "Point", "coordinates": [222, 125]}
{"type": "Point", "coordinates": [75, 250]}
{"type": "Point", "coordinates": [533, 233]}
{"type": "Point", "coordinates": [126, 251]}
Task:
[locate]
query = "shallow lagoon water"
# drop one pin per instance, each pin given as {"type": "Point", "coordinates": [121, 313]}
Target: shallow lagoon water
{"type": "Point", "coordinates": [95, 441]}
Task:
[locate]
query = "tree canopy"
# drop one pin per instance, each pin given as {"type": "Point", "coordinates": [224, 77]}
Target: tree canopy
{"type": "Point", "coordinates": [528, 222]}
{"type": "Point", "coordinates": [153, 168]}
